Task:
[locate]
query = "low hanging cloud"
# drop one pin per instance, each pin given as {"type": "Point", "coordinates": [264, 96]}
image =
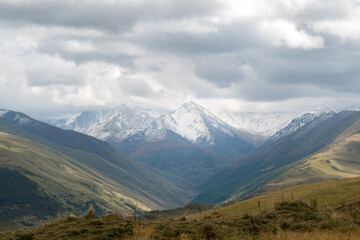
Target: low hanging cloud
{"type": "Point", "coordinates": [59, 56]}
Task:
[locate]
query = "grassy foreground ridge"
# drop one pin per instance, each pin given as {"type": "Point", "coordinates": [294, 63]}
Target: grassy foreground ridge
{"type": "Point", "coordinates": [328, 210]}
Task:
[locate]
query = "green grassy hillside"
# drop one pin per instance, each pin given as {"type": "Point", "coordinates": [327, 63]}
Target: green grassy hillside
{"type": "Point", "coordinates": [41, 182]}
{"type": "Point", "coordinates": [340, 160]}
{"type": "Point", "coordinates": [276, 161]}
{"type": "Point", "coordinates": [331, 194]}
{"type": "Point", "coordinates": [149, 187]}
{"type": "Point", "coordinates": [75, 145]}
{"type": "Point", "coordinates": [61, 180]}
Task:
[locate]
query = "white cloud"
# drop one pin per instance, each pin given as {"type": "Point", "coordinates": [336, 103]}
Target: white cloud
{"type": "Point", "coordinates": [99, 87]}
{"type": "Point", "coordinates": [345, 28]}
{"type": "Point", "coordinates": [281, 32]}
{"type": "Point", "coordinates": [77, 46]}
{"type": "Point", "coordinates": [246, 11]}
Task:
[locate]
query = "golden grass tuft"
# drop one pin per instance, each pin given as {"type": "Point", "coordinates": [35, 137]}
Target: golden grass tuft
{"type": "Point", "coordinates": [91, 212]}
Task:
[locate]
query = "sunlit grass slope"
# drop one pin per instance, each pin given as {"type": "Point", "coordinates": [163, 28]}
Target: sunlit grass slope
{"type": "Point", "coordinates": [150, 188]}
{"type": "Point", "coordinates": [331, 194]}
{"type": "Point", "coordinates": [68, 183]}
{"type": "Point", "coordinates": [341, 159]}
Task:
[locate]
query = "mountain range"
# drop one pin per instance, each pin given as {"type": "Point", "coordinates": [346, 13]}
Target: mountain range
{"type": "Point", "coordinates": [189, 142]}
{"type": "Point", "coordinates": [190, 121]}
{"type": "Point", "coordinates": [160, 160]}
{"type": "Point", "coordinates": [118, 123]}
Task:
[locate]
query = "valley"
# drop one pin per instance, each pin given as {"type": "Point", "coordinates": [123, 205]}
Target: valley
{"type": "Point", "coordinates": [189, 142]}
{"type": "Point", "coordinates": [157, 162]}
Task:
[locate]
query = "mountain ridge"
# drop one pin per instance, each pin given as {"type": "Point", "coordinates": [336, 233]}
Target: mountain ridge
{"type": "Point", "coordinates": [142, 181]}
{"type": "Point", "coordinates": [247, 176]}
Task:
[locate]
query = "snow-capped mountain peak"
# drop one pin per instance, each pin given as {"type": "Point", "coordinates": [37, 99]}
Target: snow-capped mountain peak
{"type": "Point", "coordinates": [17, 117]}
{"type": "Point", "coordinates": [193, 123]}
{"type": "Point", "coordinates": [187, 121]}
{"type": "Point", "coordinates": [353, 108]}
{"type": "Point", "coordinates": [114, 123]}
{"type": "Point", "coordinates": [2, 112]}
{"type": "Point", "coordinates": [190, 121]}
{"type": "Point", "coordinates": [320, 114]}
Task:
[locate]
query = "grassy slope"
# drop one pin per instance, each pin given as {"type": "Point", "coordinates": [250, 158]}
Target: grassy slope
{"type": "Point", "coordinates": [281, 217]}
{"type": "Point", "coordinates": [340, 159]}
{"type": "Point", "coordinates": [61, 140]}
{"type": "Point", "coordinates": [149, 187]}
{"type": "Point", "coordinates": [189, 209]}
{"type": "Point", "coordinates": [253, 173]}
{"type": "Point", "coordinates": [331, 193]}
{"type": "Point", "coordinates": [70, 184]}
{"type": "Point", "coordinates": [113, 226]}
{"type": "Point", "coordinates": [8, 226]}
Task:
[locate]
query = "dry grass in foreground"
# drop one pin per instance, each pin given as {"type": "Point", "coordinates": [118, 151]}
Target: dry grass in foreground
{"type": "Point", "coordinates": [289, 220]}
{"type": "Point", "coordinates": [316, 235]}
{"type": "Point", "coordinates": [329, 210]}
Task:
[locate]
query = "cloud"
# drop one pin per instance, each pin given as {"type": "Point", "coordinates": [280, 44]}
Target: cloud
{"type": "Point", "coordinates": [136, 87]}
{"type": "Point", "coordinates": [220, 69]}
{"type": "Point", "coordinates": [108, 15]}
{"type": "Point", "coordinates": [69, 55]}
{"type": "Point", "coordinates": [346, 29]}
{"type": "Point", "coordinates": [282, 32]}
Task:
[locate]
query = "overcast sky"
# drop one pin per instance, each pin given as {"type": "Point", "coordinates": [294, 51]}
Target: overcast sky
{"type": "Point", "coordinates": [64, 56]}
